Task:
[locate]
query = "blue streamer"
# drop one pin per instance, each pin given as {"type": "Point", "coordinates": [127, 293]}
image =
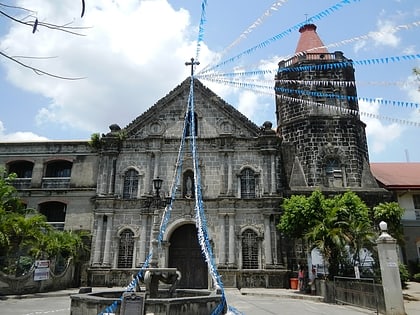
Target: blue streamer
{"type": "Point", "coordinates": [201, 28]}
{"type": "Point", "coordinates": [289, 31]}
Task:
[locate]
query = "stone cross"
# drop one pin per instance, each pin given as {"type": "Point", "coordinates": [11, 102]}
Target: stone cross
{"type": "Point", "coordinates": [192, 63]}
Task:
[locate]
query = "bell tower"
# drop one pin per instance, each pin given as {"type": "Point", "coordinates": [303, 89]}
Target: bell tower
{"type": "Point", "coordinates": [323, 139]}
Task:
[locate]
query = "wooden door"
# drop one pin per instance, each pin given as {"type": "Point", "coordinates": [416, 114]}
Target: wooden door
{"type": "Point", "coordinates": [185, 255]}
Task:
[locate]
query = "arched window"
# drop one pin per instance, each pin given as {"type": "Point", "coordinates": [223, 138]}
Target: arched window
{"type": "Point", "coordinates": [188, 125]}
{"type": "Point", "coordinates": [58, 169]}
{"type": "Point", "coordinates": [23, 170]}
{"type": "Point", "coordinates": [333, 173]}
{"type": "Point", "coordinates": [126, 249]}
{"type": "Point", "coordinates": [248, 182]}
{"type": "Point", "coordinates": [131, 184]}
{"type": "Point", "coordinates": [57, 175]}
{"type": "Point", "coordinates": [55, 212]}
{"type": "Point", "coordinates": [188, 187]}
{"type": "Point", "coordinates": [249, 249]}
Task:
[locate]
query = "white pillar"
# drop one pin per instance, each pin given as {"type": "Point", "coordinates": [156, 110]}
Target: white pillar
{"type": "Point", "coordinates": [267, 242]}
{"type": "Point", "coordinates": [107, 247]}
{"type": "Point", "coordinates": [388, 260]}
{"type": "Point", "coordinates": [231, 260]}
{"type": "Point", "coordinates": [222, 241]}
{"type": "Point", "coordinates": [98, 240]}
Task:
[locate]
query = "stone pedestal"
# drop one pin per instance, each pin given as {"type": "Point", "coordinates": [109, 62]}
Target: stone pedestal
{"type": "Point", "coordinates": [388, 260]}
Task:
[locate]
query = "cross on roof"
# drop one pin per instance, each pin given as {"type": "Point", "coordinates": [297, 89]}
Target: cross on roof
{"type": "Point", "coordinates": [192, 63]}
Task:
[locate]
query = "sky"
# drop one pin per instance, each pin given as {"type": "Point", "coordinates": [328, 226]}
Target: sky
{"type": "Point", "coordinates": [129, 54]}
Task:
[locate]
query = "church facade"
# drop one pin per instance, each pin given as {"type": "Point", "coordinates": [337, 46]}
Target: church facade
{"type": "Point", "coordinates": [246, 171]}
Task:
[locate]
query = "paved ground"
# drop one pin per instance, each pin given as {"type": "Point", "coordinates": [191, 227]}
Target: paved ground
{"type": "Point", "coordinates": [248, 301]}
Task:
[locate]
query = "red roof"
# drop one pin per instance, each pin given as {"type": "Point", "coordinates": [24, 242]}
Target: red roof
{"type": "Point", "coordinates": [397, 175]}
{"type": "Point", "coordinates": [309, 39]}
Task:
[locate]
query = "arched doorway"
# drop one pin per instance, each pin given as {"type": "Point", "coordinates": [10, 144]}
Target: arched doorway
{"type": "Point", "coordinates": [185, 255]}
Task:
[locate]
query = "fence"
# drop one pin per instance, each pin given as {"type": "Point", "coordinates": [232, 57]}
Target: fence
{"type": "Point", "coordinates": [363, 292]}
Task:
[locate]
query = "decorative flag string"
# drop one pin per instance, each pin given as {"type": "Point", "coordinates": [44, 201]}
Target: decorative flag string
{"type": "Point", "coordinates": [273, 8]}
{"type": "Point", "coordinates": [285, 33]}
{"type": "Point", "coordinates": [268, 90]}
{"type": "Point", "coordinates": [201, 28]}
{"type": "Point", "coordinates": [324, 66]}
{"type": "Point", "coordinates": [202, 230]}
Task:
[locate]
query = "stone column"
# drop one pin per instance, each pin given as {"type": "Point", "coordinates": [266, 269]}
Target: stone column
{"type": "Point", "coordinates": [229, 175]}
{"type": "Point", "coordinates": [107, 247]}
{"type": "Point", "coordinates": [273, 174]}
{"type": "Point", "coordinates": [98, 240]}
{"type": "Point", "coordinates": [231, 260]}
{"type": "Point", "coordinates": [112, 173]}
{"type": "Point", "coordinates": [222, 241]}
{"type": "Point", "coordinates": [156, 166]}
{"type": "Point", "coordinates": [390, 274]}
{"type": "Point", "coordinates": [267, 243]}
{"type": "Point", "coordinates": [142, 240]}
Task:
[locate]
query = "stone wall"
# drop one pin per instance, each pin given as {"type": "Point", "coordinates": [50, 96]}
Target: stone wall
{"type": "Point", "coordinates": [10, 285]}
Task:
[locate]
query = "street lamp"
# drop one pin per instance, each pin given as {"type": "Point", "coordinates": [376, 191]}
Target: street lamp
{"type": "Point", "coordinates": [157, 202]}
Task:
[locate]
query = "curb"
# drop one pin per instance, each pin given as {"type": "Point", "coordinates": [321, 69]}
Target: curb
{"type": "Point", "coordinates": [281, 293]}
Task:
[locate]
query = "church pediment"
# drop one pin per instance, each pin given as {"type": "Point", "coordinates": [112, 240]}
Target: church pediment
{"type": "Point", "coordinates": [214, 116]}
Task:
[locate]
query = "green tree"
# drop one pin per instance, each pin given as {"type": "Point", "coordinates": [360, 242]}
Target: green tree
{"type": "Point", "coordinates": [25, 234]}
{"type": "Point", "coordinates": [391, 213]}
{"type": "Point", "coordinates": [334, 225]}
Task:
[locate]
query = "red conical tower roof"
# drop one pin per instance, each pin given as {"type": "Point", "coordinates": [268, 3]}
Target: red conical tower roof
{"type": "Point", "coordinates": [309, 40]}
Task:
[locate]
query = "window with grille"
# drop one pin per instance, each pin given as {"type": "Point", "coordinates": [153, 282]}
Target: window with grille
{"type": "Point", "coordinates": [58, 169]}
{"type": "Point", "coordinates": [416, 201]}
{"type": "Point", "coordinates": [55, 212]}
{"type": "Point", "coordinates": [247, 183]}
{"type": "Point", "coordinates": [249, 250]}
{"type": "Point", "coordinates": [126, 248]}
{"type": "Point", "coordinates": [131, 183]}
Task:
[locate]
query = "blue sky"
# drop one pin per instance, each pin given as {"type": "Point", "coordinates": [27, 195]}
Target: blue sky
{"type": "Point", "coordinates": [133, 53]}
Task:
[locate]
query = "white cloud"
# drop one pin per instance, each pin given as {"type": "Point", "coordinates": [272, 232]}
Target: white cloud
{"type": "Point", "coordinates": [379, 135]}
{"type": "Point", "coordinates": [383, 36]}
{"type": "Point", "coordinates": [133, 53]}
{"type": "Point", "coordinates": [18, 136]}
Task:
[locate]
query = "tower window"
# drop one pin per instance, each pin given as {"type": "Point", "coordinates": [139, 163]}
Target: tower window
{"type": "Point", "coordinates": [334, 173]}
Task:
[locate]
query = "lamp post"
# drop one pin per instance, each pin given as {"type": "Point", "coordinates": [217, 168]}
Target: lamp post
{"type": "Point", "coordinates": [157, 202]}
{"type": "Point", "coordinates": [154, 273]}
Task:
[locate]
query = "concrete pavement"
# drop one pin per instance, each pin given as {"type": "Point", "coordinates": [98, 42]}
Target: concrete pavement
{"type": "Point", "coordinates": [411, 296]}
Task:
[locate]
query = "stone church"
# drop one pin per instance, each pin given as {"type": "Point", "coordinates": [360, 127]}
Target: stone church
{"type": "Point", "coordinates": [246, 170]}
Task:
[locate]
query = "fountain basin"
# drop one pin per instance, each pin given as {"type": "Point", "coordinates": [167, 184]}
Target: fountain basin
{"type": "Point", "coordinates": [181, 301]}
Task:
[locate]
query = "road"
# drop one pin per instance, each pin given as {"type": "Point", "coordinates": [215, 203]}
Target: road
{"type": "Point", "coordinates": [248, 305]}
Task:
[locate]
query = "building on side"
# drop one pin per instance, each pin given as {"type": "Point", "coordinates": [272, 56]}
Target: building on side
{"type": "Point", "coordinates": [403, 181]}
